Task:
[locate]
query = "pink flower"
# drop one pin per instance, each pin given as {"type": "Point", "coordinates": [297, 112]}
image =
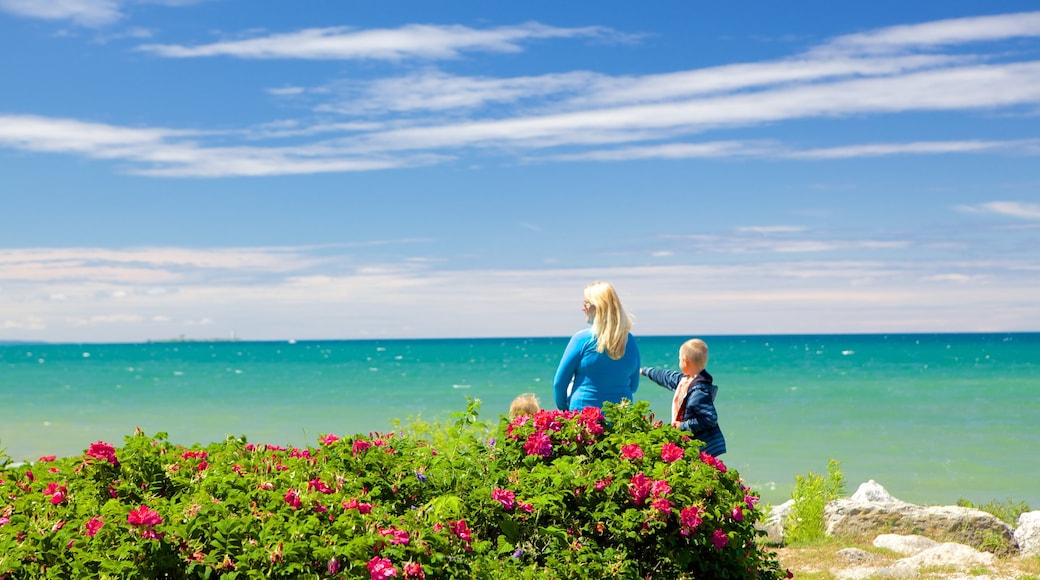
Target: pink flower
{"type": "Point", "coordinates": [292, 497]}
{"type": "Point", "coordinates": [462, 532]}
{"type": "Point", "coordinates": [333, 566]}
{"type": "Point", "coordinates": [328, 439]}
{"type": "Point", "coordinates": [671, 453]}
{"type": "Point", "coordinates": [662, 505]}
{"type": "Point", "coordinates": [92, 526]}
{"type": "Point", "coordinates": [751, 500]}
{"type": "Point", "coordinates": [319, 486]}
{"type": "Point", "coordinates": [690, 518]}
{"type": "Point", "coordinates": [538, 443]}
{"type": "Point", "coordinates": [525, 507]}
{"type": "Point", "coordinates": [737, 513]}
{"type": "Point", "coordinates": [396, 536]}
{"type": "Point", "coordinates": [713, 461]}
{"type": "Point", "coordinates": [660, 488]}
{"type": "Point", "coordinates": [144, 516]}
{"type": "Point", "coordinates": [603, 483]}
{"type": "Point", "coordinates": [381, 568]}
{"type": "Point", "coordinates": [354, 504]}
{"type": "Point", "coordinates": [719, 539]}
{"type": "Point", "coordinates": [360, 445]}
{"type": "Point", "coordinates": [195, 454]}
{"type": "Point", "coordinates": [414, 570]}
{"type": "Point", "coordinates": [4, 520]}
{"type": "Point", "coordinates": [639, 488]}
{"type": "Point", "coordinates": [504, 497]}
{"type": "Point", "coordinates": [103, 451]}
{"type": "Point", "coordinates": [57, 492]}
{"type": "Point", "coordinates": [631, 451]}
{"type": "Point", "coordinates": [47, 458]}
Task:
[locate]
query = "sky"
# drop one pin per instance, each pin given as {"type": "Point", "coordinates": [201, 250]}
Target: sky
{"type": "Point", "coordinates": [334, 169]}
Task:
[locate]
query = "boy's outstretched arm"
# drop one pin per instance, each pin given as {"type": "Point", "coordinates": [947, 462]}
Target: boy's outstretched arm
{"type": "Point", "coordinates": [666, 378]}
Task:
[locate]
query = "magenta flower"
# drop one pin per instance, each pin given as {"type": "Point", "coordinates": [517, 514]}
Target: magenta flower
{"type": "Point", "coordinates": [690, 518]}
{"type": "Point", "coordinates": [751, 500]}
{"type": "Point", "coordinates": [713, 461]}
{"type": "Point", "coordinates": [525, 507]}
{"type": "Point", "coordinates": [328, 439]}
{"type": "Point", "coordinates": [57, 492]}
{"type": "Point", "coordinates": [603, 483]}
{"type": "Point", "coordinates": [333, 566]}
{"type": "Point", "coordinates": [660, 488]}
{"type": "Point", "coordinates": [719, 539]}
{"type": "Point", "coordinates": [319, 486]}
{"type": "Point", "coordinates": [671, 453]}
{"type": "Point", "coordinates": [662, 505]}
{"type": "Point", "coordinates": [354, 504]}
{"type": "Point", "coordinates": [4, 520]}
{"type": "Point", "coordinates": [381, 568]}
{"type": "Point", "coordinates": [47, 458]}
{"type": "Point", "coordinates": [104, 452]}
{"type": "Point", "coordinates": [737, 513]}
{"type": "Point", "coordinates": [414, 570]}
{"type": "Point", "coordinates": [360, 445]}
{"type": "Point", "coordinates": [397, 537]}
{"type": "Point", "coordinates": [639, 488]}
{"type": "Point", "coordinates": [92, 526]}
{"type": "Point", "coordinates": [144, 516]}
{"type": "Point", "coordinates": [504, 497]}
{"type": "Point", "coordinates": [293, 498]}
{"type": "Point", "coordinates": [538, 443]}
{"type": "Point", "coordinates": [631, 451]}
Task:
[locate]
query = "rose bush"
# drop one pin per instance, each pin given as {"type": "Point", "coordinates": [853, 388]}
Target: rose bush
{"type": "Point", "coordinates": [586, 494]}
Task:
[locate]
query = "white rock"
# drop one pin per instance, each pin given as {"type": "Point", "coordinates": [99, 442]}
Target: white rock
{"type": "Point", "coordinates": [905, 545]}
{"type": "Point", "coordinates": [1027, 534]}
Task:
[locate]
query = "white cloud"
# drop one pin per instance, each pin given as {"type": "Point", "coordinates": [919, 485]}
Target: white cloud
{"type": "Point", "coordinates": [1017, 209]}
{"type": "Point", "coordinates": [411, 41]}
{"type": "Point", "coordinates": [83, 12]}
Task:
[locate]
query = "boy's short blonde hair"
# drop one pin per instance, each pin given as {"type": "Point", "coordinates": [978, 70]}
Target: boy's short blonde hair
{"type": "Point", "coordinates": [525, 404]}
{"type": "Point", "coordinates": [695, 350]}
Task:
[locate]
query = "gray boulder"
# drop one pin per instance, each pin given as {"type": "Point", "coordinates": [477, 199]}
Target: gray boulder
{"type": "Point", "coordinates": [904, 545]}
{"type": "Point", "coordinates": [774, 522]}
{"type": "Point", "coordinates": [872, 511]}
{"type": "Point", "coordinates": [1028, 533]}
{"type": "Point", "coordinates": [947, 555]}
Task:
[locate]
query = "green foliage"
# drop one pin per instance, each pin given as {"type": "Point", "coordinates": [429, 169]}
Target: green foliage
{"type": "Point", "coordinates": [1007, 511]}
{"type": "Point", "coordinates": [812, 492]}
{"type": "Point", "coordinates": [573, 495]}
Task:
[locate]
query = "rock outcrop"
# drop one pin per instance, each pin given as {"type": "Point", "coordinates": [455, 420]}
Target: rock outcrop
{"type": "Point", "coordinates": [1027, 534]}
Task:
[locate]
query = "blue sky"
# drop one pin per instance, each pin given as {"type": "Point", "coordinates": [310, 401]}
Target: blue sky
{"type": "Point", "coordinates": [335, 169]}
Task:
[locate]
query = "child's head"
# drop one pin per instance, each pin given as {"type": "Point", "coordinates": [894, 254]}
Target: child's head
{"type": "Point", "coordinates": [525, 404]}
{"type": "Point", "coordinates": [693, 356]}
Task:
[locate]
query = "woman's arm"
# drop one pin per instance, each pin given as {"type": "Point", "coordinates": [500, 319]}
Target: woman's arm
{"type": "Point", "coordinates": [568, 366]}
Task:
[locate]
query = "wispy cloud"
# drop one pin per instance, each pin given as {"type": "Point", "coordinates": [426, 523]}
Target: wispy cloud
{"type": "Point", "coordinates": [433, 117]}
{"type": "Point", "coordinates": [1016, 209]}
{"type": "Point", "coordinates": [420, 41]}
{"type": "Point", "coordinates": [88, 13]}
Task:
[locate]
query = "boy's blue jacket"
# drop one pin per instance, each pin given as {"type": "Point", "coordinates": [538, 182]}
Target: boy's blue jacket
{"type": "Point", "coordinates": [699, 417]}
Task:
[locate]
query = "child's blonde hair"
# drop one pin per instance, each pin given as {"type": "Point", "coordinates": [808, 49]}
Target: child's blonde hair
{"type": "Point", "coordinates": [525, 404]}
{"type": "Point", "coordinates": [695, 350]}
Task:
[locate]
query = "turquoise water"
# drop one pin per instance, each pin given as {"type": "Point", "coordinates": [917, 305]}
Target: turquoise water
{"type": "Point", "coordinates": [933, 418]}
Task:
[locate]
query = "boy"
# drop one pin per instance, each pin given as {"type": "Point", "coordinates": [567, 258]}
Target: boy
{"type": "Point", "coordinates": [693, 405]}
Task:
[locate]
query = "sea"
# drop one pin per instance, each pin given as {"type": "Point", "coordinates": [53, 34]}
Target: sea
{"type": "Point", "coordinates": [934, 418]}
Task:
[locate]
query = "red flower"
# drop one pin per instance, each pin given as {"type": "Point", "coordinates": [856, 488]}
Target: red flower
{"type": "Point", "coordinates": [354, 504]}
{"type": "Point", "coordinates": [639, 488]}
{"type": "Point", "coordinates": [631, 451]}
{"type": "Point", "coordinates": [293, 498]}
{"type": "Point", "coordinates": [319, 486]}
{"type": "Point", "coordinates": [103, 451]}
{"type": "Point", "coordinates": [47, 458]}
{"type": "Point", "coordinates": [360, 445]}
{"type": "Point", "coordinates": [660, 488]}
{"type": "Point", "coordinates": [381, 568]}
{"type": "Point", "coordinates": [713, 461]}
{"type": "Point", "coordinates": [671, 453]}
{"type": "Point", "coordinates": [737, 513]}
{"type": "Point", "coordinates": [662, 505]}
{"type": "Point", "coordinates": [719, 539]}
{"type": "Point", "coordinates": [144, 516]}
{"type": "Point", "coordinates": [92, 526]}
{"type": "Point", "coordinates": [396, 536]}
{"type": "Point", "coordinates": [328, 439]}
{"type": "Point", "coordinates": [504, 497]}
{"type": "Point", "coordinates": [538, 443]}
{"type": "Point", "coordinates": [414, 570]}
{"type": "Point", "coordinates": [690, 518]}
{"type": "Point", "coordinates": [601, 484]}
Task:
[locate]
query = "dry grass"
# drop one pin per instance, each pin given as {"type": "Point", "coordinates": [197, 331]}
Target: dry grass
{"type": "Point", "coordinates": [821, 561]}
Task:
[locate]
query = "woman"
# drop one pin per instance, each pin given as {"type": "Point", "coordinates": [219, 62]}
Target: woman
{"type": "Point", "coordinates": [601, 362]}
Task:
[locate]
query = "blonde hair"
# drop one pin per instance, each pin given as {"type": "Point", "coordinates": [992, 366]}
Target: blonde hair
{"type": "Point", "coordinates": [695, 350]}
{"type": "Point", "coordinates": [525, 404]}
{"type": "Point", "coordinates": [610, 323]}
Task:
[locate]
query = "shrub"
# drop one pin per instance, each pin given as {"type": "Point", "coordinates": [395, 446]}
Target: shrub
{"type": "Point", "coordinates": [812, 492]}
{"type": "Point", "coordinates": [1007, 511]}
{"type": "Point", "coordinates": [575, 495]}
